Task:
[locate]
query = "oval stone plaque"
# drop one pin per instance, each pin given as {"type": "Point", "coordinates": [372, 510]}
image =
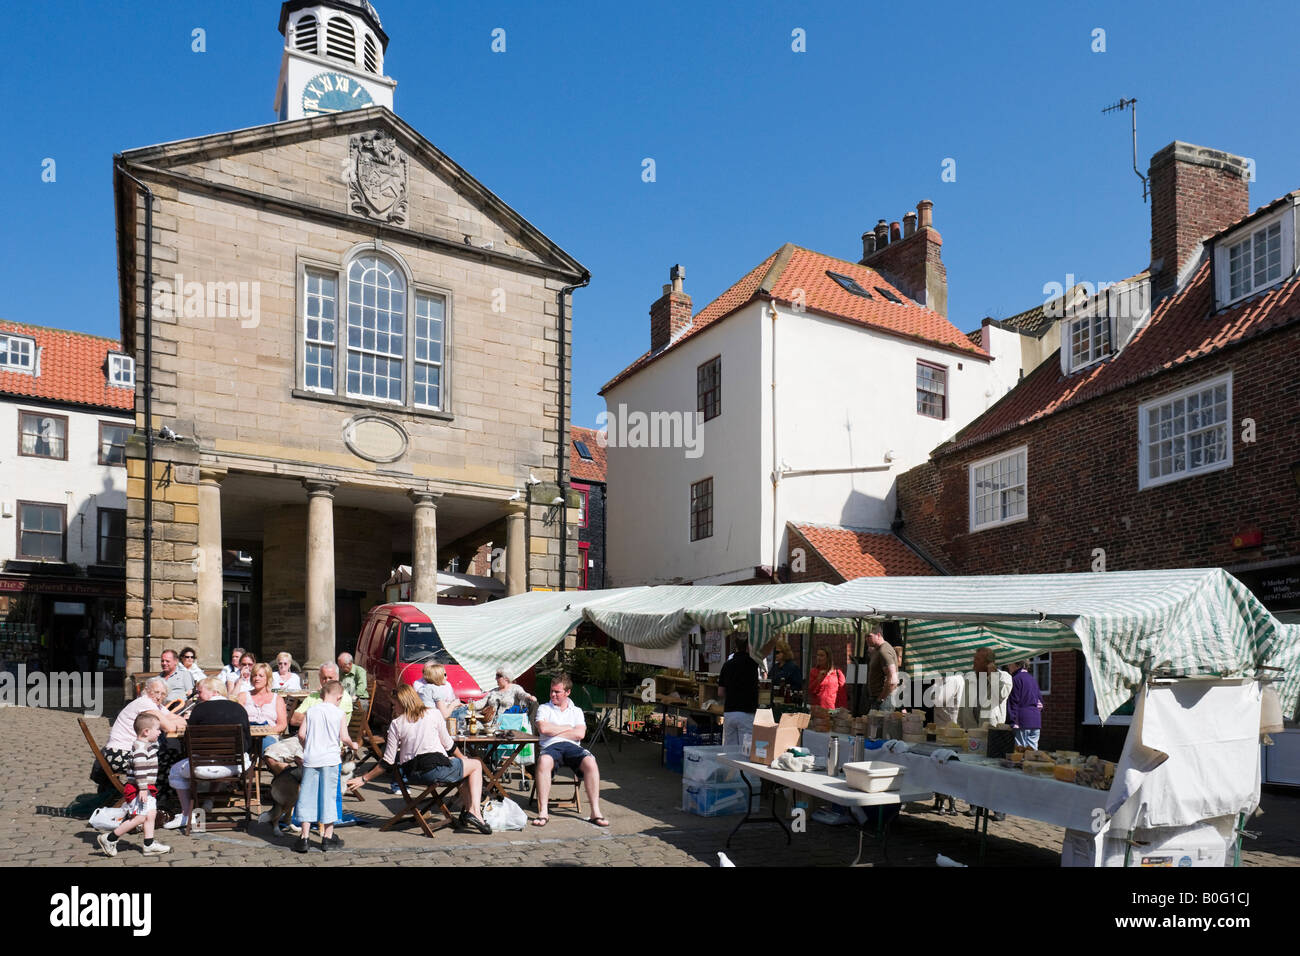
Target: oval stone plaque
{"type": "Point", "coordinates": [375, 438]}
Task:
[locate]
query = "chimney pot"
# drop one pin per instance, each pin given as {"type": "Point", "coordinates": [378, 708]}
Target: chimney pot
{"type": "Point", "coordinates": [882, 234]}
{"type": "Point", "coordinates": [677, 273]}
{"type": "Point", "coordinates": [925, 211]}
{"type": "Point", "coordinates": [895, 231]}
{"type": "Point", "coordinates": [671, 313]}
{"type": "Point", "coordinates": [909, 224]}
{"type": "Point", "coordinates": [667, 288]}
{"type": "Point", "coordinates": [868, 245]}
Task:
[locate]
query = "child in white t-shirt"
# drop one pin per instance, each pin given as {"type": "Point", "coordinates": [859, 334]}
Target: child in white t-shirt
{"type": "Point", "coordinates": [435, 691]}
{"type": "Point", "coordinates": [323, 728]}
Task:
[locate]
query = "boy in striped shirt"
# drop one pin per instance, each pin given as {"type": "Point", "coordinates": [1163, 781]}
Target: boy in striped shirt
{"type": "Point", "coordinates": [141, 806]}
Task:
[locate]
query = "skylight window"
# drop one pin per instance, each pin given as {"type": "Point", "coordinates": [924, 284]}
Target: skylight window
{"type": "Point", "coordinates": [583, 451]}
{"type": "Point", "coordinates": [889, 295]}
{"type": "Point", "coordinates": [849, 284]}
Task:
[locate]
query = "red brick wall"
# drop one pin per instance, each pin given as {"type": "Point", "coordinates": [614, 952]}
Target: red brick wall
{"type": "Point", "coordinates": [1060, 719]}
{"type": "Point", "coordinates": [1191, 200]}
{"type": "Point", "coordinates": [1083, 482]}
{"type": "Point", "coordinates": [915, 265]}
{"type": "Point", "coordinates": [669, 315]}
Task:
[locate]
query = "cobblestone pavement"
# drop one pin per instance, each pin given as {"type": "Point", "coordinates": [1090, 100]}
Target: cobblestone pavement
{"type": "Point", "coordinates": [46, 762]}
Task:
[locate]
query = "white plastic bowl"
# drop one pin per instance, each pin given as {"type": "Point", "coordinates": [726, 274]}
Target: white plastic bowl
{"type": "Point", "coordinates": [873, 776]}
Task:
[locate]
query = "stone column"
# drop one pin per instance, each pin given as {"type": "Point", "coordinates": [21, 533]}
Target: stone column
{"type": "Point", "coordinates": [320, 572]}
{"type": "Point", "coordinates": [424, 547]}
{"type": "Point", "coordinates": [210, 568]}
{"type": "Point", "coordinates": [516, 554]}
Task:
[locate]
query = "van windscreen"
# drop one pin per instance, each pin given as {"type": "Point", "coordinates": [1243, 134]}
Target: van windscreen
{"type": "Point", "coordinates": [420, 642]}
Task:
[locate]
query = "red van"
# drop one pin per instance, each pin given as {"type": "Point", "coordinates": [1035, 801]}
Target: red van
{"type": "Point", "coordinates": [395, 643]}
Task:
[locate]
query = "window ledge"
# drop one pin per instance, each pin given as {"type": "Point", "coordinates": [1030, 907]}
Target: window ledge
{"type": "Point", "coordinates": [388, 407]}
{"type": "Point", "coordinates": [998, 524]}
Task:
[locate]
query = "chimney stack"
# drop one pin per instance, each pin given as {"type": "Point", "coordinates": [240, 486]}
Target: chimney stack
{"type": "Point", "coordinates": [910, 257]}
{"type": "Point", "coordinates": [1195, 192]}
{"type": "Point", "coordinates": [671, 313]}
{"type": "Point", "coordinates": [925, 209]}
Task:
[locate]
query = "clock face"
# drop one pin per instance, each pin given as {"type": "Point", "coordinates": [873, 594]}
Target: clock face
{"type": "Point", "coordinates": [333, 93]}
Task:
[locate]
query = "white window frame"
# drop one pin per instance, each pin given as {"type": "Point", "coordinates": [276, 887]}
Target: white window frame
{"type": "Point", "coordinates": [1144, 442]}
{"type": "Point", "coordinates": [1285, 218]}
{"type": "Point", "coordinates": [418, 293]}
{"type": "Point", "coordinates": [121, 370]}
{"type": "Point", "coordinates": [1094, 354]}
{"type": "Point", "coordinates": [1023, 451]}
{"type": "Point", "coordinates": [319, 341]}
{"type": "Point", "coordinates": [7, 342]}
{"type": "Point", "coordinates": [1038, 666]}
{"type": "Point", "coordinates": [364, 351]}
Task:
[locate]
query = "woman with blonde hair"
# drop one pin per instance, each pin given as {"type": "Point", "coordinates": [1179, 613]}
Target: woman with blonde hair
{"type": "Point", "coordinates": [423, 752]}
{"type": "Point", "coordinates": [284, 676]}
{"type": "Point", "coordinates": [785, 670]}
{"type": "Point", "coordinates": [264, 706]}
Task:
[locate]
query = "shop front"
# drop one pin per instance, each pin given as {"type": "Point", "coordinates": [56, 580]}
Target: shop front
{"type": "Point", "coordinates": [62, 624]}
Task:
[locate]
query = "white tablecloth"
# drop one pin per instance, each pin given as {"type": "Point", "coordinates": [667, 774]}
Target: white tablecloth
{"type": "Point", "coordinates": [1007, 791]}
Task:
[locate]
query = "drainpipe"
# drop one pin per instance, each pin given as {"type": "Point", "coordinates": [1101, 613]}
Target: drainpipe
{"type": "Point", "coordinates": [561, 441]}
{"type": "Point", "coordinates": [148, 412]}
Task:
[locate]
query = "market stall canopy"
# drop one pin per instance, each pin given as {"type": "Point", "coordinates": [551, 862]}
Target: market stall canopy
{"type": "Point", "coordinates": [453, 585]}
{"type": "Point", "coordinates": [1127, 623]}
{"type": "Point", "coordinates": [513, 633]}
{"type": "Point", "coordinates": [518, 631]}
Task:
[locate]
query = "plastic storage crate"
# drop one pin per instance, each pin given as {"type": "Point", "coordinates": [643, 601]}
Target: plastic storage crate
{"type": "Point", "coordinates": [716, 799]}
{"type": "Point", "coordinates": [674, 747]}
{"type": "Point", "coordinates": [700, 765]}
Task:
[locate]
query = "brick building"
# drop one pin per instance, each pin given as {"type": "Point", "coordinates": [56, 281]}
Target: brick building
{"type": "Point", "coordinates": [587, 471]}
{"type": "Point", "coordinates": [1160, 438]}
{"type": "Point", "coordinates": [361, 350]}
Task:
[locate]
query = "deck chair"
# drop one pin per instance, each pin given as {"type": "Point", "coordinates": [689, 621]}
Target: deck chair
{"type": "Point", "coordinates": [104, 768]}
{"type": "Point", "coordinates": [219, 753]}
{"type": "Point", "coordinates": [432, 798]}
{"type": "Point", "coordinates": [557, 802]}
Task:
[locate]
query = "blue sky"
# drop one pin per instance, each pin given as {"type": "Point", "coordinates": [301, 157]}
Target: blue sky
{"type": "Point", "coordinates": [754, 144]}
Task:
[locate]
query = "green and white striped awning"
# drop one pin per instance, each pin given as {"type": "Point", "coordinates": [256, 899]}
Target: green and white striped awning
{"type": "Point", "coordinates": [1127, 623]}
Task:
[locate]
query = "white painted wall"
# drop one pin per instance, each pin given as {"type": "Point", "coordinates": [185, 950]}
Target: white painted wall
{"type": "Point", "coordinates": [1010, 351]}
{"type": "Point", "coordinates": [80, 483]}
{"type": "Point", "coordinates": [845, 396]}
{"type": "Point", "coordinates": [649, 512]}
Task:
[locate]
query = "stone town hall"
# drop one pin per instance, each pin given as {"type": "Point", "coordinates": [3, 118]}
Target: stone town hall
{"type": "Point", "coordinates": [361, 350]}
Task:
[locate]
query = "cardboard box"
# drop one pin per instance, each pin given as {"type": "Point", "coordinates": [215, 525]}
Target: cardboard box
{"type": "Point", "coordinates": [771, 739]}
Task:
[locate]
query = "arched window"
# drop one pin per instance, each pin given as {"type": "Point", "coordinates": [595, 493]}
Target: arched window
{"type": "Point", "coordinates": [340, 41]}
{"type": "Point", "coordinates": [372, 54]}
{"type": "Point", "coordinates": [376, 329]}
{"type": "Point", "coordinates": [304, 34]}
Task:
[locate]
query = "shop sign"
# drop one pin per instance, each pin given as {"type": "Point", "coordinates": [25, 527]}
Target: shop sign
{"type": "Point", "coordinates": [47, 586]}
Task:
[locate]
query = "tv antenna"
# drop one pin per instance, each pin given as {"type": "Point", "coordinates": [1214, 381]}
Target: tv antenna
{"type": "Point", "coordinates": [1124, 104]}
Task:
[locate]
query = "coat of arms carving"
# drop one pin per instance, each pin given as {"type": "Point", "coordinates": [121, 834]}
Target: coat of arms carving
{"type": "Point", "coordinates": [377, 177]}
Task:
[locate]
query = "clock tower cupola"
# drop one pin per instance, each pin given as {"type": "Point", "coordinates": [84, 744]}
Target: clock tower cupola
{"type": "Point", "coordinates": [333, 58]}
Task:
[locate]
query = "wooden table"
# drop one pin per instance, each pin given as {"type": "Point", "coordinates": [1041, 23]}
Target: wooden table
{"type": "Point", "coordinates": [833, 789]}
{"type": "Point", "coordinates": [485, 744]}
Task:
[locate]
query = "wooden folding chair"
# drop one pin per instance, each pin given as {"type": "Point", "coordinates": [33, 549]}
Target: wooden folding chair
{"type": "Point", "coordinates": [433, 795]}
{"type": "Point", "coordinates": [108, 771]}
{"type": "Point", "coordinates": [561, 803]}
{"type": "Point", "coordinates": [371, 746]}
{"type": "Point", "coordinates": [223, 746]}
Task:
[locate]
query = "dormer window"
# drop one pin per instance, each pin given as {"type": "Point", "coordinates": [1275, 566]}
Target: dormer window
{"type": "Point", "coordinates": [1089, 340]}
{"type": "Point", "coordinates": [17, 353]}
{"type": "Point", "coordinates": [1255, 258]}
{"type": "Point", "coordinates": [121, 370]}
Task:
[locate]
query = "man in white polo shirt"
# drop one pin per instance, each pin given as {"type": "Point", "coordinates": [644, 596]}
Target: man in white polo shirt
{"type": "Point", "coordinates": [561, 726]}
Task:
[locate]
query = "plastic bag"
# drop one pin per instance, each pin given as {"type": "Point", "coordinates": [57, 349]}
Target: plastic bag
{"type": "Point", "coordinates": [108, 818]}
{"type": "Point", "coordinates": [505, 815]}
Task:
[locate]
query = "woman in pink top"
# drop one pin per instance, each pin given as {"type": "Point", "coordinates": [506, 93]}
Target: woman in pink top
{"type": "Point", "coordinates": [420, 748]}
{"type": "Point", "coordinates": [826, 683]}
{"type": "Point", "coordinates": [263, 705]}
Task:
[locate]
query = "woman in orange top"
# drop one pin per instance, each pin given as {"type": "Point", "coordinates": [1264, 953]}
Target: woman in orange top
{"type": "Point", "coordinates": [826, 683]}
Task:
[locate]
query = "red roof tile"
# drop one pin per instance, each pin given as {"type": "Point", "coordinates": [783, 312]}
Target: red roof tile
{"type": "Point", "coordinates": [71, 367]}
{"type": "Point", "coordinates": [854, 553]}
{"type": "Point", "coordinates": [1182, 328]}
{"type": "Point", "coordinates": [579, 468]}
{"type": "Point", "coordinates": [792, 268]}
